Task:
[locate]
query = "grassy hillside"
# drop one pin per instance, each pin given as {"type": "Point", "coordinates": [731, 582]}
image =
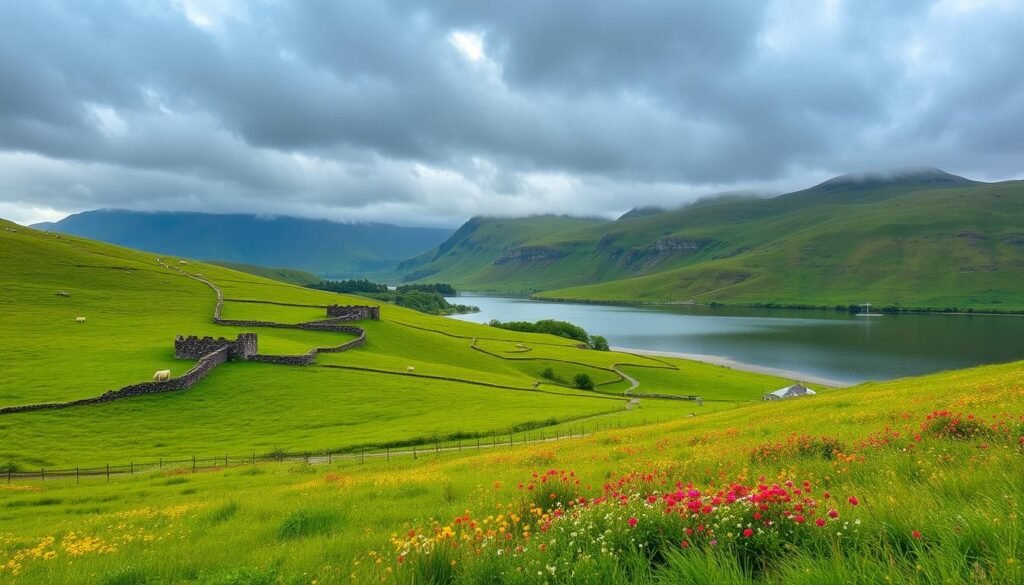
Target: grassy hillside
{"type": "Point", "coordinates": [912, 481]}
{"type": "Point", "coordinates": [464, 381]}
{"type": "Point", "coordinates": [926, 239]}
{"type": "Point", "coordinates": [504, 253]}
{"type": "Point", "coordinates": [288, 275]}
{"type": "Point", "coordinates": [322, 247]}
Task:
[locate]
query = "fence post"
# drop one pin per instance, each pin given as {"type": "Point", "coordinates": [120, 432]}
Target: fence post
{"type": "Point", "coordinates": [478, 443]}
{"type": "Point", "coordinates": [510, 439]}
{"type": "Point", "coordinates": [108, 472]}
{"type": "Point", "coordinates": [362, 455]}
{"type": "Point", "coordinates": [307, 457]}
{"type": "Point", "coordinates": [437, 448]}
{"type": "Point", "coordinates": [414, 451]}
{"type": "Point", "coordinates": [254, 458]}
{"type": "Point", "coordinates": [387, 453]}
{"type": "Point", "coordinates": [131, 468]}
{"type": "Point", "coordinates": [42, 473]}
{"type": "Point", "coordinates": [76, 474]}
{"type": "Point", "coordinates": [225, 460]}
{"type": "Point", "coordinates": [329, 457]}
{"type": "Point", "coordinates": [193, 464]}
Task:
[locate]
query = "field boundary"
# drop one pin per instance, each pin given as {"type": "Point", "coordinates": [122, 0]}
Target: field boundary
{"type": "Point", "coordinates": [208, 362]}
{"type": "Point", "coordinates": [464, 443]}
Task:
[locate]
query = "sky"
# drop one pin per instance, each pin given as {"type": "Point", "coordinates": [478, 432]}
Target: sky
{"type": "Point", "coordinates": [427, 113]}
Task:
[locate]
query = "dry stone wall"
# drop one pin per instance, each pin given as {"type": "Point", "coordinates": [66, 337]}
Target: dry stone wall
{"type": "Point", "coordinates": [210, 352]}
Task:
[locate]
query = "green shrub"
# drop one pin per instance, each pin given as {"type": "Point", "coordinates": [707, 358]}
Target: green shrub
{"type": "Point", "coordinates": [583, 381]}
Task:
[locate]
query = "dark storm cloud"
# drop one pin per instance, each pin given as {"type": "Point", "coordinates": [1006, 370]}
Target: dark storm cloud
{"type": "Point", "coordinates": [430, 113]}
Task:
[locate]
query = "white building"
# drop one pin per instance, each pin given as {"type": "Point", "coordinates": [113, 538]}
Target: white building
{"type": "Point", "coordinates": [794, 391]}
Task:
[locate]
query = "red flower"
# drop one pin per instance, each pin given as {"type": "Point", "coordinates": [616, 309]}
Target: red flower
{"type": "Point", "coordinates": [685, 544]}
{"type": "Point", "coordinates": [833, 513]}
{"type": "Point", "coordinates": [799, 518]}
{"type": "Point", "coordinates": [632, 521]}
{"type": "Point", "coordinates": [916, 534]}
{"type": "Point", "coordinates": [748, 533]}
{"type": "Point", "coordinates": [853, 500]}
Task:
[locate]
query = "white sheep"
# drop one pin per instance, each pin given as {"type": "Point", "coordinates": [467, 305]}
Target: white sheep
{"type": "Point", "coordinates": [79, 319]}
{"type": "Point", "coordinates": [410, 369]}
{"type": "Point", "coordinates": [162, 375]}
{"type": "Point", "coordinates": [182, 262]}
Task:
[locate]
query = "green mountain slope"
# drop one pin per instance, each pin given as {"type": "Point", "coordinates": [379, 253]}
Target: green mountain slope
{"type": "Point", "coordinates": [322, 247]}
{"type": "Point", "coordinates": [289, 275]}
{"type": "Point", "coordinates": [917, 239]}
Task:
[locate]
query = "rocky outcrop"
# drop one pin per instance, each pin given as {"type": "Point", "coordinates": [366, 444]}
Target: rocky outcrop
{"type": "Point", "coordinates": [526, 254]}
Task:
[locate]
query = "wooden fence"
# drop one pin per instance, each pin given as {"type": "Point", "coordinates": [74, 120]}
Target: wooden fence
{"type": "Point", "coordinates": [353, 454]}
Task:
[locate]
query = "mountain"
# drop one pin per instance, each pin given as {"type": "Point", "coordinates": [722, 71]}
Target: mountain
{"type": "Point", "coordinates": [323, 247]}
{"type": "Point", "coordinates": [917, 238]}
{"type": "Point", "coordinates": [507, 250]}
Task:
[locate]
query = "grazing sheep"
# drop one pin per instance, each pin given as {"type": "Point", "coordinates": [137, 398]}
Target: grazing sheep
{"type": "Point", "coordinates": [79, 319]}
{"type": "Point", "coordinates": [410, 369]}
{"type": "Point", "coordinates": [162, 375]}
{"type": "Point", "coordinates": [182, 262]}
{"type": "Point", "coordinates": [63, 293]}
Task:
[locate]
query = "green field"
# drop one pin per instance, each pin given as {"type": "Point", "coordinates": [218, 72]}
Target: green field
{"type": "Point", "coordinates": [134, 307]}
{"type": "Point", "coordinates": [925, 476]}
{"type": "Point", "coordinates": [934, 242]}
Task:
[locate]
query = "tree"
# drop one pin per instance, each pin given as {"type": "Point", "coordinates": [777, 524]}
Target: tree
{"type": "Point", "coordinates": [583, 382]}
{"type": "Point", "coordinates": [598, 342]}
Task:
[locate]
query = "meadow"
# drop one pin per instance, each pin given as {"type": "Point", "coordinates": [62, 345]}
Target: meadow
{"type": "Point", "coordinates": [464, 381]}
{"type": "Point", "coordinates": [911, 481]}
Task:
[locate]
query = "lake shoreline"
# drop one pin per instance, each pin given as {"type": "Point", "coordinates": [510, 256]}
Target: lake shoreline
{"type": "Point", "coordinates": [769, 306]}
{"type": "Point", "coordinates": [736, 365]}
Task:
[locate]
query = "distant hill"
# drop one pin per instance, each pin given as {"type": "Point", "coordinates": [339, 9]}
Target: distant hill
{"type": "Point", "coordinates": [322, 247]}
{"type": "Point", "coordinates": [918, 238]}
{"type": "Point", "coordinates": [288, 275]}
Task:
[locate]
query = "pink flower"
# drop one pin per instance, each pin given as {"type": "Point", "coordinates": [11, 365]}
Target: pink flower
{"type": "Point", "coordinates": [833, 513]}
{"type": "Point", "coordinates": [853, 500]}
{"type": "Point", "coordinates": [632, 521]}
{"type": "Point", "coordinates": [820, 521]}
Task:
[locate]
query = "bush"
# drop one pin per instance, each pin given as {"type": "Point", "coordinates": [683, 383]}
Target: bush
{"type": "Point", "coordinates": [548, 374]}
{"type": "Point", "coordinates": [598, 342]}
{"type": "Point", "coordinates": [583, 382]}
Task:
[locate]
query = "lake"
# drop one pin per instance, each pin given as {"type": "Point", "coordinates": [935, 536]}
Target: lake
{"type": "Point", "coordinates": [821, 346]}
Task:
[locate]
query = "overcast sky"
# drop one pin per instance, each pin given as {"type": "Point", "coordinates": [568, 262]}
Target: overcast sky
{"type": "Point", "coordinates": [428, 113]}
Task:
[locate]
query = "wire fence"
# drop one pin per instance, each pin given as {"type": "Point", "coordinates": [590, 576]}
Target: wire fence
{"type": "Point", "coordinates": [359, 454]}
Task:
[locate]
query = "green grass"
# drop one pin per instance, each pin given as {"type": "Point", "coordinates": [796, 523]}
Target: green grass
{"type": "Point", "coordinates": [288, 275]}
{"type": "Point", "coordinates": [294, 523]}
{"type": "Point", "coordinates": [135, 307]}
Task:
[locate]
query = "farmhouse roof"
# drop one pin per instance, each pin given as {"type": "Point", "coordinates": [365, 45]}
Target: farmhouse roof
{"type": "Point", "coordinates": [792, 391]}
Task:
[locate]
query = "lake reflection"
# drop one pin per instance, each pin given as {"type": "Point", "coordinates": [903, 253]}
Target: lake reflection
{"type": "Point", "coordinates": [835, 346]}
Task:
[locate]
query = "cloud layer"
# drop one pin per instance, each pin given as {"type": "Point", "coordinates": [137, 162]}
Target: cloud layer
{"type": "Point", "coordinates": [385, 110]}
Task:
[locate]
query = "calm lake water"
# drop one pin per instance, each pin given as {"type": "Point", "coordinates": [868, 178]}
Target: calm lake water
{"type": "Point", "coordinates": [826, 345]}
